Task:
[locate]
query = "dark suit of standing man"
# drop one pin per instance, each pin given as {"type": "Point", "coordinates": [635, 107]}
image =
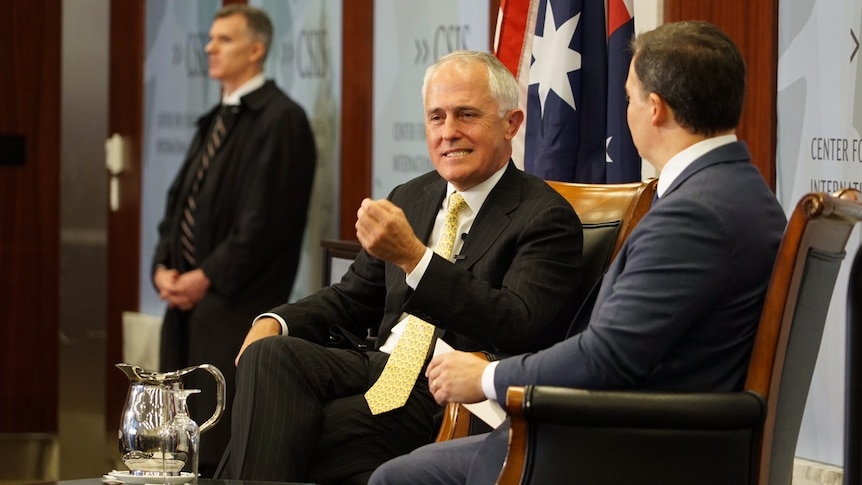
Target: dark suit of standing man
{"type": "Point", "coordinates": [300, 411]}
{"type": "Point", "coordinates": [678, 308]}
{"type": "Point", "coordinates": [249, 215]}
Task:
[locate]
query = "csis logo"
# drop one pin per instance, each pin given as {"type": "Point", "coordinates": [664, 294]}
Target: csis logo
{"type": "Point", "coordinates": [447, 38]}
{"type": "Point", "coordinates": [450, 38]}
{"type": "Point", "coordinates": [191, 55]}
{"type": "Point", "coordinates": [312, 55]}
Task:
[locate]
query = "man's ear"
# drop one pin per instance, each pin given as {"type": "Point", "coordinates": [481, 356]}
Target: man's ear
{"type": "Point", "coordinates": [257, 52]}
{"type": "Point", "coordinates": [513, 120]}
{"type": "Point", "coordinates": [661, 112]}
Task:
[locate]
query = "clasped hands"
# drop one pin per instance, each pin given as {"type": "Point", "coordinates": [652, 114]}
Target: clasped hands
{"type": "Point", "coordinates": [181, 290]}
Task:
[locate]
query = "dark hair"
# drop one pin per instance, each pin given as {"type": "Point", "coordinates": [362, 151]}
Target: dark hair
{"type": "Point", "coordinates": [697, 70]}
{"type": "Point", "coordinates": [257, 21]}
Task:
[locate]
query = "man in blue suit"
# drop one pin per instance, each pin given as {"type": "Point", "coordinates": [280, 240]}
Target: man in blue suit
{"type": "Point", "coordinates": [678, 308]}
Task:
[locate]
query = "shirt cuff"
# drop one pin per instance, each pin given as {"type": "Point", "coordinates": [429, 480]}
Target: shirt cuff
{"type": "Point", "coordinates": [488, 381]}
{"type": "Point", "coordinates": [415, 276]}
{"type": "Point", "coordinates": [275, 316]}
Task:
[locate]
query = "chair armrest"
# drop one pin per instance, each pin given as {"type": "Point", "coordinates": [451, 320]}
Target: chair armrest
{"type": "Point", "coordinates": [644, 409]}
{"type": "Point", "coordinates": [620, 436]}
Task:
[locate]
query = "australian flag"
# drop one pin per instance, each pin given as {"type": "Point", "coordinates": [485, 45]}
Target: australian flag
{"type": "Point", "coordinates": [572, 87]}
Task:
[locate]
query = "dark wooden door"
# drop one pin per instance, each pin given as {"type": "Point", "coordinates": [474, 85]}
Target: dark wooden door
{"type": "Point", "coordinates": [29, 215]}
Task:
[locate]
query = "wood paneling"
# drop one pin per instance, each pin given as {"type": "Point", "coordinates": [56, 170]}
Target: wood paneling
{"type": "Point", "coordinates": [30, 216]}
{"type": "Point", "coordinates": [125, 116]}
{"type": "Point", "coordinates": [754, 28]}
{"type": "Point", "coordinates": [356, 110]}
{"type": "Point", "coordinates": [493, 11]}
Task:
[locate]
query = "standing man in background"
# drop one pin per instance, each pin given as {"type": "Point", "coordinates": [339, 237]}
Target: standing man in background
{"type": "Point", "coordinates": [230, 239]}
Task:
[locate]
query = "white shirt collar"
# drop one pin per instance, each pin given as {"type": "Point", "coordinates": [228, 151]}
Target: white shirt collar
{"type": "Point", "coordinates": [475, 196]}
{"type": "Point", "coordinates": [683, 159]}
{"type": "Point", "coordinates": [254, 83]}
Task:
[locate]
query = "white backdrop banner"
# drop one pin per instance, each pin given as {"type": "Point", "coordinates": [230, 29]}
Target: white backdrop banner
{"type": "Point", "coordinates": [410, 35]}
{"type": "Point", "coordinates": [177, 90]}
{"type": "Point", "coordinates": [305, 62]}
{"type": "Point", "coordinates": [820, 150]}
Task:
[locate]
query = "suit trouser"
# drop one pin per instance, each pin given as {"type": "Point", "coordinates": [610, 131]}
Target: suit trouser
{"type": "Point", "coordinates": [299, 414]}
{"type": "Point", "coordinates": [474, 460]}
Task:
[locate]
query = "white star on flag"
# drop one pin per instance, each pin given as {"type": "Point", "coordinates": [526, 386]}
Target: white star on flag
{"type": "Point", "coordinates": [555, 60]}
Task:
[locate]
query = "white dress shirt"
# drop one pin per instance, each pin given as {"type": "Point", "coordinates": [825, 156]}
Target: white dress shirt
{"type": "Point", "coordinates": [252, 84]}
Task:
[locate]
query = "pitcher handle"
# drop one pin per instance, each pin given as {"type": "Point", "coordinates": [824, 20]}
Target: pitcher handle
{"type": "Point", "coordinates": [220, 385]}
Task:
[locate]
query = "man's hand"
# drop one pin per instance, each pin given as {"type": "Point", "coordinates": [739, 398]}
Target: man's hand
{"type": "Point", "coordinates": [456, 377]}
{"type": "Point", "coordinates": [164, 279]}
{"type": "Point", "coordinates": [383, 230]}
{"type": "Point", "coordinates": [182, 291]}
{"type": "Point", "coordinates": [193, 286]}
{"type": "Point", "coordinates": [265, 327]}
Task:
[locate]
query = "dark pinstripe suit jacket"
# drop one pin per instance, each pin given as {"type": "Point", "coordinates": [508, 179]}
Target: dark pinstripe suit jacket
{"type": "Point", "coordinates": [512, 290]}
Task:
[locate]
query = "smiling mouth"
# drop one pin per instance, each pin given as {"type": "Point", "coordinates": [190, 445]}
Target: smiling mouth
{"type": "Point", "coordinates": [457, 153]}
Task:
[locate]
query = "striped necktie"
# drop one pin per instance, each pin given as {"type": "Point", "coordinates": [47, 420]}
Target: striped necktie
{"type": "Point", "coordinates": [187, 223]}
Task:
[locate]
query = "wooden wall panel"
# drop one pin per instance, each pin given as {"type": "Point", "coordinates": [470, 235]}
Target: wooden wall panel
{"type": "Point", "coordinates": [356, 110]}
{"type": "Point", "coordinates": [30, 216]}
{"type": "Point", "coordinates": [493, 11]}
{"type": "Point", "coordinates": [125, 116]}
{"type": "Point", "coordinates": [754, 28]}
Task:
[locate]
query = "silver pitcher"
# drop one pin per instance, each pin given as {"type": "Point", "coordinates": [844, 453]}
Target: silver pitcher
{"type": "Point", "coordinates": [150, 406]}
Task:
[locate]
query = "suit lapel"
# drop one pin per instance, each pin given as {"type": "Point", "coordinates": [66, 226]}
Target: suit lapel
{"type": "Point", "coordinates": [422, 211]}
{"type": "Point", "coordinates": [493, 217]}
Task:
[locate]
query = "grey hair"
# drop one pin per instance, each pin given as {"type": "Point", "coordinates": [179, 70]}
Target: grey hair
{"type": "Point", "coordinates": [501, 82]}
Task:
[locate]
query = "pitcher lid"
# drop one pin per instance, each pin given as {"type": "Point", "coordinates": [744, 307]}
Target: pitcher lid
{"type": "Point", "coordinates": [139, 374]}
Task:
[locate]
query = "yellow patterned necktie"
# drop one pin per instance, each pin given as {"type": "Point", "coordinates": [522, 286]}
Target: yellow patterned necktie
{"type": "Point", "coordinates": [399, 375]}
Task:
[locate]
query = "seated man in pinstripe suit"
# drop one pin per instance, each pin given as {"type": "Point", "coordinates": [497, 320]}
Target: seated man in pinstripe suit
{"type": "Point", "coordinates": [300, 413]}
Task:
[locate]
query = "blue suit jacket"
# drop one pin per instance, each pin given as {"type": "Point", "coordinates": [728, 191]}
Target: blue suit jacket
{"type": "Point", "coordinates": [679, 306]}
